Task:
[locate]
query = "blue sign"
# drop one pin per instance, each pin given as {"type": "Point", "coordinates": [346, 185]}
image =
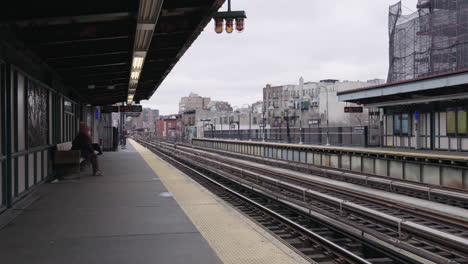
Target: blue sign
{"type": "Point", "coordinates": [416, 115]}
{"type": "Point", "coordinates": [96, 114]}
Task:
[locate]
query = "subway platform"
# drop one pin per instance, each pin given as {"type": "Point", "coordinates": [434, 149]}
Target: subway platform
{"type": "Point", "coordinates": [141, 211]}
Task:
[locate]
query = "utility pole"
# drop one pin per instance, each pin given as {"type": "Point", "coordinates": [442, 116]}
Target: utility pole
{"type": "Point", "coordinates": [263, 123]}
{"type": "Point", "coordinates": [238, 125]}
{"type": "Point", "coordinates": [300, 131]}
{"type": "Point", "coordinates": [287, 126]}
{"type": "Point", "coordinates": [250, 123]}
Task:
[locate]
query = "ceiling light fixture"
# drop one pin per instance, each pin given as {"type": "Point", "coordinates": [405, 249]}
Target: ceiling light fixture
{"type": "Point", "coordinates": [148, 15]}
{"type": "Point", "coordinates": [135, 75]}
{"type": "Point", "coordinates": [137, 63]}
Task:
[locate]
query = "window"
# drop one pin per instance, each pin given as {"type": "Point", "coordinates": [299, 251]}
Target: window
{"type": "Point", "coordinates": [405, 124]}
{"type": "Point", "coordinates": [397, 124]}
{"type": "Point", "coordinates": [401, 124]}
{"type": "Point", "coordinates": [456, 122]}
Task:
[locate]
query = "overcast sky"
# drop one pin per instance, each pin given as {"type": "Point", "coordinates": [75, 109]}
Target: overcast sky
{"type": "Point", "coordinates": [283, 40]}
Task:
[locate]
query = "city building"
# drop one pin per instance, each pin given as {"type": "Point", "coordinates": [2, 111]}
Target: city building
{"type": "Point", "coordinates": [312, 102]}
{"type": "Point", "coordinates": [169, 126]}
{"type": "Point", "coordinates": [189, 124]}
{"type": "Point", "coordinates": [193, 102]}
{"type": "Point", "coordinates": [144, 120]}
{"type": "Point", "coordinates": [428, 111]}
{"type": "Point", "coordinates": [216, 106]}
{"type": "Point", "coordinates": [432, 40]}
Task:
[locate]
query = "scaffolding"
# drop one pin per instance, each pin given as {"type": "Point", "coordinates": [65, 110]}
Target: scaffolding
{"type": "Point", "coordinates": [433, 40]}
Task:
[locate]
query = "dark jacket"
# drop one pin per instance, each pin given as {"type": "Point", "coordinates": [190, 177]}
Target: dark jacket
{"type": "Point", "coordinates": [83, 143]}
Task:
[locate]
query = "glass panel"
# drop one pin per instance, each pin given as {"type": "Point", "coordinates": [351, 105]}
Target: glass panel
{"type": "Point", "coordinates": [1, 186]}
{"type": "Point", "coordinates": [451, 119]}
{"type": "Point", "coordinates": [30, 170]}
{"type": "Point", "coordinates": [38, 126]}
{"type": "Point", "coordinates": [1, 117]}
{"type": "Point", "coordinates": [21, 112]}
{"type": "Point", "coordinates": [21, 174]}
{"type": "Point", "coordinates": [461, 122]}
{"type": "Point", "coordinates": [404, 124]}
{"type": "Point", "coordinates": [397, 124]}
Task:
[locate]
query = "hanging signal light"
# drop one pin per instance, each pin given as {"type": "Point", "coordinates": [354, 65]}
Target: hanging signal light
{"type": "Point", "coordinates": [240, 24]}
{"type": "Point", "coordinates": [229, 16]}
{"type": "Point", "coordinates": [229, 25]}
{"type": "Point", "coordinates": [219, 22]}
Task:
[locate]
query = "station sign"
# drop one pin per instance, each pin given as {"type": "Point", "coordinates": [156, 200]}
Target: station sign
{"type": "Point", "coordinates": [314, 122]}
{"type": "Point", "coordinates": [131, 109]}
{"type": "Point", "coordinates": [353, 109]}
{"type": "Point", "coordinates": [133, 114]}
{"type": "Point", "coordinates": [109, 109]}
{"type": "Point", "coordinates": [122, 109]}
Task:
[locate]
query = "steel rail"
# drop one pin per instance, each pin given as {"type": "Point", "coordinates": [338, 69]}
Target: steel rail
{"type": "Point", "coordinates": [333, 247]}
{"type": "Point", "coordinates": [401, 222]}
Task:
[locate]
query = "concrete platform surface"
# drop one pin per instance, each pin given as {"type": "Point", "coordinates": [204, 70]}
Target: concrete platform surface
{"type": "Point", "coordinates": [141, 211]}
{"type": "Point", "coordinates": [121, 217]}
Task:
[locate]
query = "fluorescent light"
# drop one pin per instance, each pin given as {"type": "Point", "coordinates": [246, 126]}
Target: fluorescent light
{"type": "Point", "coordinates": [130, 97]}
{"type": "Point", "coordinates": [137, 63]}
{"type": "Point", "coordinates": [91, 86]}
{"type": "Point", "coordinates": [129, 102]}
{"type": "Point", "coordinates": [135, 75]}
{"type": "Point", "coordinates": [111, 87]}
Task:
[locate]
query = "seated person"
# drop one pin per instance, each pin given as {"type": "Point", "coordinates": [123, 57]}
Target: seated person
{"type": "Point", "coordinates": [97, 148]}
{"type": "Point", "coordinates": [83, 143]}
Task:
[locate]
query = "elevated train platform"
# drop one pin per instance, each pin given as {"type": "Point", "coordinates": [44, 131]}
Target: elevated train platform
{"type": "Point", "coordinates": [437, 168]}
{"type": "Point", "coordinates": [141, 211]}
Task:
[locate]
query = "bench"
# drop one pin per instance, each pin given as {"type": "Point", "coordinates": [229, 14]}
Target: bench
{"type": "Point", "coordinates": [67, 159]}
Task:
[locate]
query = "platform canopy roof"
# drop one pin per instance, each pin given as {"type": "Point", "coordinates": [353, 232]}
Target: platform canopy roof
{"type": "Point", "coordinates": [435, 88]}
{"type": "Point", "coordinates": [91, 44]}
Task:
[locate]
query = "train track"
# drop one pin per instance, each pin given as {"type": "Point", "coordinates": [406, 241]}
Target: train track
{"type": "Point", "coordinates": [317, 241]}
{"type": "Point", "coordinates": [444, 195]}
{"type": "Point", "coordinates": [422, 235]}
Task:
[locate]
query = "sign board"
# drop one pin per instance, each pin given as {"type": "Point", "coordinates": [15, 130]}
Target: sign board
{"type": "Point", "coordinates": [314, 122]}
{"type": "Point", "coordinates": [67, 106]}
{"type": "Point", "coordinates": [133, 114]}
{"type": "Point", "coordinates": [416, 115]}
{"type": "Point", "coordinates": [353, 109]}
{"type": "Point", "coordinates": [123, 109]}
{"type": "Point", "coordinates": [96, 114]}
{"type": "Point", "coordinates": [131, 108]}
{"type": "Point", "coordinates": [359, 129]}
{"type": "Point", "coordinates": [109, 109]}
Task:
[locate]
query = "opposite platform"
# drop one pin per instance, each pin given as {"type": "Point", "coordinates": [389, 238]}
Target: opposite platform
{"type": "Point", "coordinates": [129, 216]}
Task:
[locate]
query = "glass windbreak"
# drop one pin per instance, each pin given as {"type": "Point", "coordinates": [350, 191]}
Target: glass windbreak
{"type": "Point", "coordinates": [461, 122]}
{"type": "Point", "coordinates": [451, 121]}
{"type": "Point", "coordinates": [2, 90]}
{"type": "Point", "coordinates": [404, 123]}
{"type": "Point", "coordinates": [397, 124]}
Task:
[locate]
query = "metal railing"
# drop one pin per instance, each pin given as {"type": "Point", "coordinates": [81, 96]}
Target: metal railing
{"type": "Point", "coordinates": [337, 136]}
